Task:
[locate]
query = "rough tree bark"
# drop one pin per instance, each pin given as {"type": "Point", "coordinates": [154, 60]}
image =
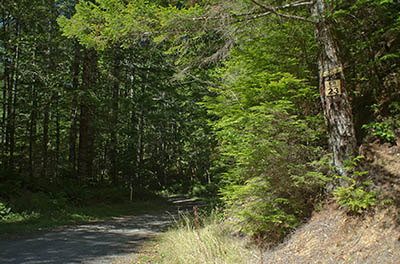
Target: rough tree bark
{"type": "Point", "coordinates": [334, 96]}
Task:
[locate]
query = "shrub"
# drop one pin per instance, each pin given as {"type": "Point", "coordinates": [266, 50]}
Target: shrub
{"type": "Point", "coordinates": [387, 128]}
{"type": "Point", "coordinates": [272, 186]}
{"type": "Point", "coordinates": [382, 130]}
{"type": "Point", "coordinates": [354, 197]}
{"type": "Point", "coordinates": [4, 210]}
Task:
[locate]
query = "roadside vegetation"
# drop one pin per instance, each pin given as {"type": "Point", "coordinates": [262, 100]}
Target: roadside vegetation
{"type": "Point", "coordinates": [202, 239]}
{"type": "Point", "coordinates": [29, 211]}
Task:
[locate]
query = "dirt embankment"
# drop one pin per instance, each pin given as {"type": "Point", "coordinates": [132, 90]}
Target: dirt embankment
{"type": "Point", "coordinates": [331, 236]}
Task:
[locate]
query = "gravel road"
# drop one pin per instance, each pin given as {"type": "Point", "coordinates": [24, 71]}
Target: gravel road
{"type": "Point", "coordinates": [109, 241]}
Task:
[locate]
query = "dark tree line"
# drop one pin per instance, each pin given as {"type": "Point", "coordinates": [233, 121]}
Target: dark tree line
{"type": "Point", "coordinates": [111, 116]}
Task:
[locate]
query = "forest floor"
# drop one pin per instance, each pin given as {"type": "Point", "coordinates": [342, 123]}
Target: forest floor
{"type": "Point", "coordinates": [113, 240]}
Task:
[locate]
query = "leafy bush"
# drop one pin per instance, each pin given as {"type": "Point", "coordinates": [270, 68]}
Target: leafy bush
{"type": "Point", "coordinates": [268, 136]}
{"type": "Point", "coordinates": [354, 197]}
{"type": "Point", "coordinates": [382, 130]}
{"type": "Point", "coordinates": [75, 192]}
{"type": "Point", "coordinates": [272, 184]}
{"type": "Point", "coordinates": [388, 127]}
{"type": "Point", "coordinates": [199, 190]}
{"type": "Point", "coordinates": [43, 202]}
{"type": "Point", "coordinates": [4, 210]}
{"type": "Point", "coordinates": [209, 190]}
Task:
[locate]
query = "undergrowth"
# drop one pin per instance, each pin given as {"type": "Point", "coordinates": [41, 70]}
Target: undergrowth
{"type": "Point", "coordinates": [27, 210]}
{"type": "Point", "coordinates": [354, 196]}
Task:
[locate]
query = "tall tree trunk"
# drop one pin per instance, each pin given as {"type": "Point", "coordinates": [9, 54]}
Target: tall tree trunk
{"type": "Point", "coordinates": [133, 176]}
{"type": "Point", "coordinates": [114, 128]}
{"type": "Point", "coordinates": [334, 96]}
{"type": "Point", "coordinates": [12, 95]}
{"type": "Point", "coordinates": [139, 146]}
{"type": "Point", "coordinates": [86, 138]}
{"type": "Point", "coordinates": [58, 135]}
{"type": "Point", "coordinates": [4, 101]}
{"type": "Point", "coordinates": [74, 111]}
{"type": "Point", "coordinates": [140, 130]}
{"type": "Point", "coordinates": [45, 142]}
{"type": "Point", "coordinates": [32, 131]}
{"type": "Point", "coordinates": [83, 158]}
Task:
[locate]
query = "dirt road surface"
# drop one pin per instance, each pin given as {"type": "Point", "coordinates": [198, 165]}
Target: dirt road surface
{"type": "Point", "coordinates": [110, 241]}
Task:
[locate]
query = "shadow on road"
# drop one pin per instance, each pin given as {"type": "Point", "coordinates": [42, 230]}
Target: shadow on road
{"type": "Point", "coordinates": [98, 242]}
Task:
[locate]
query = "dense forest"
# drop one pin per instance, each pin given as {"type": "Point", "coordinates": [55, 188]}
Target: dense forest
{"type": "Point", "coordinates": [261, 103]}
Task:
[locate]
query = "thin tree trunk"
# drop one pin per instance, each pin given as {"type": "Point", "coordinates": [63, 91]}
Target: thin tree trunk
{"type": "Point", "coordinates": [32, 131]}
{"type": "Point", "coordinates": [114, 128]}
{"type": "Point", "coordinates": [83, 158]}
{"type": "Point", "coordinates": [133, 176]}
{"type": "Point", "coordinates": [74, 111]}
{"type": "Point", "coordinates": [12, 90]}
{"type": "Point", "coordinates": [140, 137]}
{"type": "Point", "coordinates": [58, 135]}
{"type": "Point", "coordinates": [4, 101]}
{"type": "Point", "coordinates": [140, 129]}
{"type": "Point", "coordinates": [334, 96]}
{"type": "Point", "coordinates": [45, 142]}
{"type": "Point", "coordinates": [86, 137]}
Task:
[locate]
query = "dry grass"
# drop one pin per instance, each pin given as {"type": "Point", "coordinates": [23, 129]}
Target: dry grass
{"type": "Point", "coordinates": [211, 243]}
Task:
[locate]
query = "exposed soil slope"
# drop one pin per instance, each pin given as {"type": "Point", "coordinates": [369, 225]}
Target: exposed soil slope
{"type": "Point", "coordinates": [331, 236]}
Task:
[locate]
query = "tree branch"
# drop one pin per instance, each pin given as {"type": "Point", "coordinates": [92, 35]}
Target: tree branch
{"type": "Point", "coordinates": [258, 14]}
{"type": "Point", "coordinates": [274, 10]}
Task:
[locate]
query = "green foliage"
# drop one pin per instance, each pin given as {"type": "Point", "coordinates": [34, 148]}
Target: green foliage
{"type": "Point", "coordinates": [105, 22]}
{"type": "Point", "coordinates": [368, 31]}
{"type": "Point", "coordinates": [386, 130]}
{"type": "Point", "coordinates": [355, 199]}
{"type": "Point", "coordinates": [208, 190]}
{"type": "Point", "coordinates": [29, 201]}
{"type": "Point", "coordinates": [4, 210]}
{"type": "Point", "coordinates": [353, 195]}
{"type": "Point", "coordinates": [382, 130]}
{"type": "Point", "coordinates": [266, 142]}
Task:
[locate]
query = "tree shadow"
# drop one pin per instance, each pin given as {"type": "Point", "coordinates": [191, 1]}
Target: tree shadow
{"type": "Point", "coordinates": [89, 243]}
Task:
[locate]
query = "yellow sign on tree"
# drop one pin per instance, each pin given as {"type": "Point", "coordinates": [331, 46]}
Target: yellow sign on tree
{"type": "Point", "coordinates": [333, 87]}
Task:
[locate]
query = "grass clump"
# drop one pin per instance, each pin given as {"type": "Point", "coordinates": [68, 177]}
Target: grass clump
{"type": "Point", "coordinates": [202, 240]}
